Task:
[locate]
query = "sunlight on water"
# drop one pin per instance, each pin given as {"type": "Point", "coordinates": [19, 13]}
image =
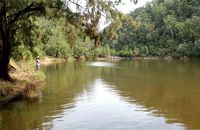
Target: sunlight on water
{"type": "Point", "coordinates": [101, 64]}
{"type": "Point", "coordinates": [102, 108]}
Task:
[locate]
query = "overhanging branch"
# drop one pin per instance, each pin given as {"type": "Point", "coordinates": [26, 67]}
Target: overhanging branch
{"type": "Point", "coordinates": [28, 9]}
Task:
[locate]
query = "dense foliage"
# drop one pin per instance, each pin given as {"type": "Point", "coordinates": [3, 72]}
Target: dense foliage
{"type": "Point", "coordinates": [46, 27]}
{"type": "Point", "coordinates": [29, 28]}
{"type": "Point", "coordinates": [51, 37]}
{"type": "Point", "coordinates": [165, 28]}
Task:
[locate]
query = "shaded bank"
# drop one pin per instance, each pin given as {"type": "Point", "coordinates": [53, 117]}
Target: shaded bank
{"type": "Point", "coordinates": [27, 83]}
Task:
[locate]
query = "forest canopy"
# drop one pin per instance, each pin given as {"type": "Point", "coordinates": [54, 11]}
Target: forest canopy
{"type": "Point", "coordinates": [165, 28]}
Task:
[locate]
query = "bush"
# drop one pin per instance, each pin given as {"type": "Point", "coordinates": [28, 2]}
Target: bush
{"type": "Point", "coordinates": [21, 53]}
{"type": "Point", "coordinates": [113, 52]}
{"type": "Point", "coordinates": [144, 51]}
{"type": "Point", "coordinates": [90, 54]}
{"type": "Point", "coordinates": [136, 51]}
{"type": "Point", "coordinates": [28, 55]}
{"type": "Point", "coordinates": [196, 49]}
{"type": "Point", "coordinates": [176, 55]}
{"type": "Point", "coordinates": [58, 49]}
{"type": "Point", "coordinates": [78, 52]}
{"type": "Point", "coordinates": [36, 52]}
{"type": "Point", "coordinates": [124, 54]}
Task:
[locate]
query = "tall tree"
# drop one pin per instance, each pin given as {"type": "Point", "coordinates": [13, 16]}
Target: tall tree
{"type": "Point", "coordinates": [10, 13]}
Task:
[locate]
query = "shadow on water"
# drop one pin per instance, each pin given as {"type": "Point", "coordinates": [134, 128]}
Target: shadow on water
{"type": "Point", "coordinates": [63, 84]}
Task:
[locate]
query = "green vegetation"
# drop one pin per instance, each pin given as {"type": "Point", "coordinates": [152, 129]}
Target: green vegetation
{"type": "Point", "coordinates": [28, 82]}
{"type": "Point", "coordinates": [164, 28]}
{"type": "Point", "coordinates": [30, 28]}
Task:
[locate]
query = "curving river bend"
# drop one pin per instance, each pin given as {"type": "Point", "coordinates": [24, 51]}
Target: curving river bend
{"type": "Point", "coordinates": [122, 95]}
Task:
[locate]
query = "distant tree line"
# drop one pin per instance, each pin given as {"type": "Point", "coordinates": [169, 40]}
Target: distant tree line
{"type": "Point", "coordinates": [163, 28]}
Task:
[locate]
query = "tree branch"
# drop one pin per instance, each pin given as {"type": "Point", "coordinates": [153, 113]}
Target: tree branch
{"type": "Point", "coordinates": [28, 9]}
{"type": "Point", "coordinates": [23, 14]}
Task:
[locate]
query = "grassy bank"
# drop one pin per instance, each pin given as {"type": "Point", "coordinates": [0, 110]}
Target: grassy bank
{"type": "Point", "coordinates": [27, 82]}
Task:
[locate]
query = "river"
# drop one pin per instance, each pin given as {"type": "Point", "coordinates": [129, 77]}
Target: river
{"type": "Point", "coordinates": [118, 95]}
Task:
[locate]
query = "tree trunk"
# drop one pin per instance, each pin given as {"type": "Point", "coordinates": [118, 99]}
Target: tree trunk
{"type": "Point", "coordinates": [5, 50]}
{"type": "Point", "coordinates": [4, 75]}
{"type": "Point", "coordinates": [4, 61]}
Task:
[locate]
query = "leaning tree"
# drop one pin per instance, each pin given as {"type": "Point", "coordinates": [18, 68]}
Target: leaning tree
{"type": "Point", "coordinates": [88, 14]}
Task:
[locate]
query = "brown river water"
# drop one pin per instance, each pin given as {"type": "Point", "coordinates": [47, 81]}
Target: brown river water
{"type": "Point", "coordinates": [120, 95]}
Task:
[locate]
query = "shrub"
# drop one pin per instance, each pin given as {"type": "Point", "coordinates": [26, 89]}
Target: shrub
{"type": "Point", "coordinates": [36, 52]}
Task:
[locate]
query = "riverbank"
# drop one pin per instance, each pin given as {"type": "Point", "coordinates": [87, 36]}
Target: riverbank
{"type": "Point", "coordinates": [115, 58]}
{"type": "Point", "coordinates": [51, 60]}
{"type": "Point", "coordinates": [47, 60]}
{"type": "Point", "coordinates": [27, 82]}
{"type": "Point", "coordinates": [146, 58]}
